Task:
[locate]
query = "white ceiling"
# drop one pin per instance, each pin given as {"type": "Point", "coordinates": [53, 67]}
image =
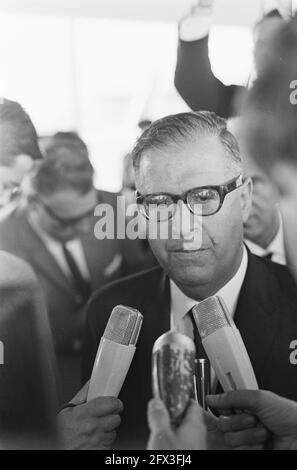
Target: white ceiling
{"type": "Point", "coordinates": [234, 12]}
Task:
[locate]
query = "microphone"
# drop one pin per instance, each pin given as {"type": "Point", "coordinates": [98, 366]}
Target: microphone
{"type": "Point", "coordinates": [173, 371]}
{"type": "Point", "coordinates": [115, 352]}
{"type": "Point", "coordinates": [224, 346]}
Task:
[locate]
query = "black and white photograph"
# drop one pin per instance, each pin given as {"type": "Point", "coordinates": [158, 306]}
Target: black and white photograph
{"type": "Point", "coordinates": [148, 228]}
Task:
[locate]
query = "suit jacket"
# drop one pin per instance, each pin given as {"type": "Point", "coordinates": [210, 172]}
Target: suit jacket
{"type": "Point", "coordinates": [65, 307]}
{"type": "Point", "coordinates": [196, 83]}
{"type": "Point", "coordinates": [27, 371]}
{"type": "Point", "coordinates": [266, 316]}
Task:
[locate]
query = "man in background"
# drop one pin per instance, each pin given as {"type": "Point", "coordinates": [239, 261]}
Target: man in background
{"type": "Point", "coordinates": [263, 231]}
{"type": "Point", "coordinates": [53, 230]}
{"type": "Point", "coordinates": [194, 79]}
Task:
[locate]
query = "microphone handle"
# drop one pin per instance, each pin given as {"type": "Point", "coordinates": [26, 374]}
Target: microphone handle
{"type": "Point", "coordinates": [111, 366]}
{"type": "Point", "coordinates": [202, 381]}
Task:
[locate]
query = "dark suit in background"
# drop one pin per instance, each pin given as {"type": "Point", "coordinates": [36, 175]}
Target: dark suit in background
{"type": "Point", "coordinates": [65, 306]}
{"type": "Point", "coordinates": [196, 83]}
{"type": "Point", "coordinates": [266, 316]}
{"type": "Point", "coordinates": [28, 401]}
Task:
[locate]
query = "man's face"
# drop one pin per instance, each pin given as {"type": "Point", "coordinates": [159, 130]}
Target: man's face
{"type": "Point", "coordinates": [67, 214]}
{"type": "Point", "coordinates": [211, 263]}
{"type": "Point", "coordinates": [263, 222]}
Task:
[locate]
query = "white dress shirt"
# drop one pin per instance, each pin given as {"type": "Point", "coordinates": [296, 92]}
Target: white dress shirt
{"type": "Point", "coordinates": [276, 248]}
{"type": "Point", "coordinates": [56, 250]}
{"type": "Point", "coordinates": [181, 304]}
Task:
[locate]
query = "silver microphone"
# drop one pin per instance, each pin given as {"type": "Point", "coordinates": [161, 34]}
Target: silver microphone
{"type": "Point", "coordinates": [173, 371]}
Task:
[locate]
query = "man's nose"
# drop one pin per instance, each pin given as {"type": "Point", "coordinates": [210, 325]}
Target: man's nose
{"type": "Point", "coordinates": [184, 223]}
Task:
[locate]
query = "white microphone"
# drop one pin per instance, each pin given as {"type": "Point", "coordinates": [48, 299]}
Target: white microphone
{"type": "Point", "coordinates": [224, 346]}
{"type": "Point", "coordinates": [173, 371]}
{"type": "Point", "coordinates": [115, 352]}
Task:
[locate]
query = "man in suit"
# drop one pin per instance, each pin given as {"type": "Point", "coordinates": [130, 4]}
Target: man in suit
{"type": "Point", "coordinates": [210, 188]}
{"type": "Point", "coordinates": [53, 230]}
{"type": "Point", "coordinates": [194, 78]}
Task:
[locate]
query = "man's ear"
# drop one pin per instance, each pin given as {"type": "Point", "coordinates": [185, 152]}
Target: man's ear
{"type": "Point", "coordinates": [246, 198]}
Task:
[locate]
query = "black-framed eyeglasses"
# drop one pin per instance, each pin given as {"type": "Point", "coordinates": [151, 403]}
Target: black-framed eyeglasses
{"type": "Point", "coordinates": [203, 201]}
{"type": "Point", "coordinates": [65, 222]}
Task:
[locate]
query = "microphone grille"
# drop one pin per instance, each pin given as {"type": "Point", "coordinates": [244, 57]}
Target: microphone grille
{"type": "Point", "coordinates": [210, 315]}
{"type": "Point", "coordinates": [124, 325]}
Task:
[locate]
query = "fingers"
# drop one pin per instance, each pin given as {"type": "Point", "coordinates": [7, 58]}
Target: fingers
{"type": "Point", "coordinates": [249, 437]}
{"type": "Point", "coordinates": [238, 422]}
{"type": "Point", "coordinates": [194, 414]}
{"type": "Point", "coordinates": [104, 406]}
{"type": "Point", "coordinates": [108, 439]}
{"type": "Point", "coordinates": [109, 423]}
{"type": "Point", "coordinates": [161, 435]}
{"type": "Point", "coordinates": [158, 416]}
{"type": "Point", "coordinates": [242, 399]}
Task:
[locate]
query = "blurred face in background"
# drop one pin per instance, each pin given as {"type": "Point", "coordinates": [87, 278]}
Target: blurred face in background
{"type": "Point", "coordinates": [12, 176]}
{"type": "Point", "coordinates": [284, 176]}
{"type": "Point", "coordinates": [65, 215]}
{"type": "Point", "coordinates": [264, 221]}
{"type": "Point", "coordinates": [198, 270]}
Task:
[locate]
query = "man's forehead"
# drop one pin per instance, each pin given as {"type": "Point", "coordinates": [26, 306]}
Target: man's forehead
{"type": "Point", "coordinates": [202, 158]}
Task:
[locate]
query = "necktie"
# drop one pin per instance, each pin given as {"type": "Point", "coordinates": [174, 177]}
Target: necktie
{"type": "Point", "coordinates": [80, 284]}
{"type": "Point", "coordinates": [200, 351]}
{"type": "Point", "coordinates": [268, 256]}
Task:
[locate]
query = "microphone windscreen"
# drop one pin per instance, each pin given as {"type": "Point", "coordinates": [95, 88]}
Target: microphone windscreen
{"type": "Point", "coordinates": [210, 316]}
{"type": "Point", "coordinates": [124, 325]}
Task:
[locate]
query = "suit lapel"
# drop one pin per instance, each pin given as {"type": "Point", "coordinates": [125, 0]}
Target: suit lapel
{"type": "Point", "coordinates": [155, 308]}
{"type": "Point", "coordinates": [257, 314]}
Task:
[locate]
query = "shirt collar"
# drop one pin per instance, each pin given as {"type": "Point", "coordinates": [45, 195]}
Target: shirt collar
{"type": "Point", "coordinates": [181, 304]}
{"type": "Point", "coordinates": [276, 247]}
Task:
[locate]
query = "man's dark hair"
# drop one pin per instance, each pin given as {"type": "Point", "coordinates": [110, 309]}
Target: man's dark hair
{"type": "Point", "coordinates": [63, 168]}
{"type": "Point", "coordinates": [176, 129]}
{"type": "Point", "coordinates": [17, 133]}
{"type": "Point", "coordinates": [143, 124]}
{"type": "Point", "coordinates": [64, 137]}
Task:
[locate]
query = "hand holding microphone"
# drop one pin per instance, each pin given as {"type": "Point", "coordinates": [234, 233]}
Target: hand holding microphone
{"type": "Point", "coordinates": [89, 426]}
{"type": "Point", "coordinates": [277, 414]}
{"type": "Point", "coordinates": [183, 424]}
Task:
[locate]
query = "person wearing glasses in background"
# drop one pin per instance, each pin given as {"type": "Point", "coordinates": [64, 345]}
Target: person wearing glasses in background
{"type": "Point", "coordinates": [53, 230]}
{"type": "Point", "coordinates": [190, 164]}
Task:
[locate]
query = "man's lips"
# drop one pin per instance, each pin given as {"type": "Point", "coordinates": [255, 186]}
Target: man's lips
{"type": "Point", "coordinates": [181, 250]}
